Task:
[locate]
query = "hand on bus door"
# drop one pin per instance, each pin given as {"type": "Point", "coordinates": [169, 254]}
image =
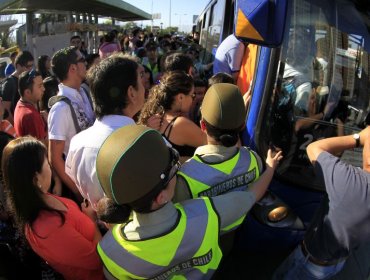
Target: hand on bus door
{"type": "Point", "coordinates": [273, 157]}
{"type": "Point", "coordinates": [247, 96]}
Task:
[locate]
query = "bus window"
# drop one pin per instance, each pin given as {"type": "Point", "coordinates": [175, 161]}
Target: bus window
{"type": "Point", "coordinates": [321, 89]}
{"type": "Point", "coordinates": [228, 24]}
{"type": "Point", "coordinates": [212, 27]}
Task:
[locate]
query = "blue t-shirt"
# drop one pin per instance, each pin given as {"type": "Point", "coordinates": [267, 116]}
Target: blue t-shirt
{"type": "Point", "coordinates": [9, 69]}
{"type": "Point", "coordinates": [343, 219]}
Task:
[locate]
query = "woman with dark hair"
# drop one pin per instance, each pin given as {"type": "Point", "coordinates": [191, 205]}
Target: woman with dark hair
{"type": "Point", "coordinates": [51, 89]}
{"type": "Point", "coordinates": [55, 227]}
{"type": "Point", "coordinates": [172, 99]}
{"type": "Point", "coordinates": [44, 66]}
{"type": "Point", "coordinates": [148, 80]}
{"type": "Point", "coordinates": [91, 60]}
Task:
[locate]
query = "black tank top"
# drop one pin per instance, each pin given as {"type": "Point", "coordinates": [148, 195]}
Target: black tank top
{"type": "Point", "coordinates": [185, 150]}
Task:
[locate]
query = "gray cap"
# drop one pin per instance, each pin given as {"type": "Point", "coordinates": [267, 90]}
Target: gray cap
{"type": "Point", "coordinates": [131, 163]}
{"type": "Point", "coordinates": [223, 107]}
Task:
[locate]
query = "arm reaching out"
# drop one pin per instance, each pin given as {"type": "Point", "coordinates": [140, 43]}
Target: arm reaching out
{"type": "Point", "coordinates": [260, 186]}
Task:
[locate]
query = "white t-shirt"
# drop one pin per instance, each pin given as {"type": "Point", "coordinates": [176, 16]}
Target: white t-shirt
{"type": "Point", "coordinates": [60, 120]}
{"type": "Point", "coordinates": [83, 151]}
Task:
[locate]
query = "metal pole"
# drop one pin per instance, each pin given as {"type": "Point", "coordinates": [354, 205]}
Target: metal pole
{"type": "Point", "coordinates": [152, 17]}
{"type": "Point", "coordinates": [170, 16]}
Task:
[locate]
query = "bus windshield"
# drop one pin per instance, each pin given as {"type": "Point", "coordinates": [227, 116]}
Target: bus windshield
{"type": "Point", "coordinates": [321, 85]}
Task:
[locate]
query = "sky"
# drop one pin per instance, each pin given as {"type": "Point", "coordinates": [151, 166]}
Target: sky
{"type": "Point", "coordinates": [182, 11]}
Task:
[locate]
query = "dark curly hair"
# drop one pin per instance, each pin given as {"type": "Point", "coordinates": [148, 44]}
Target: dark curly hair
{"type": "Point", "coordinates": [162, 96]}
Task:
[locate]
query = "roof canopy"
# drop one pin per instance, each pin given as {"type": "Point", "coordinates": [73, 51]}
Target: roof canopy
{"type": "Point", "coordinates": [110, 8]}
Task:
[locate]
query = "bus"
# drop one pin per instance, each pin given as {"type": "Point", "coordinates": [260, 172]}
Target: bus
{"type": "Point", "coordinates": [311, 75]}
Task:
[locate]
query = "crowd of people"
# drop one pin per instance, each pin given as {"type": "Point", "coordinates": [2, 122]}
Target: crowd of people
{"type": "Point", "coordinates": [128, 163]}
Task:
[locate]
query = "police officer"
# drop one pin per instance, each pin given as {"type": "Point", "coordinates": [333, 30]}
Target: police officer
{"type": "Point", "coordinates": [137, 171]}
{"type": "Point", "coordinates": [220, 166]}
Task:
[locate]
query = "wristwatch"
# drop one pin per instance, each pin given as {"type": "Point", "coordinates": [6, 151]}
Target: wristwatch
{"type": "Point", "coordinates": [356, 136]}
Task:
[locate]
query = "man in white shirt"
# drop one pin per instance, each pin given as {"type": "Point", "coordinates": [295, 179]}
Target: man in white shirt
{"type": "Point", "coordinates": [69, 67]}
{"type": "Point", "coordinates": [118, 95]}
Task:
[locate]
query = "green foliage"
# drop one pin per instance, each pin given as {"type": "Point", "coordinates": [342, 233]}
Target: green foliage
{"type": "Point", "coordinates": [130, 25]}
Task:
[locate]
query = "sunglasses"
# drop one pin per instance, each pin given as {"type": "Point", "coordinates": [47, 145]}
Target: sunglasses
{"type": "Point", "coordinates": [81, 60]}
{"type": "Point", "coordinates": [172, 168]}
{"type": "Point", "coordinates": [165, 177]}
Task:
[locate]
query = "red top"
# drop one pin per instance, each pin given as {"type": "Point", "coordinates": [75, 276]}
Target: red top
{"type": "Point", "coordinates": [7, 127]}
{"type": "Point", "coordinates": [28, 121]}
{"type": "Point", "coordinates": [68, 248]}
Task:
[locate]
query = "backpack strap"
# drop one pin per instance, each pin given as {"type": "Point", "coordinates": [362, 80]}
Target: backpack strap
{"type": "Point", "coordinates": [86, 91]}
{"type": "Point", "coordinates": [56, 98]}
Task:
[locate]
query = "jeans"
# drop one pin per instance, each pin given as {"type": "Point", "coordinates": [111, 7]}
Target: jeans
{"type": "Point", "coordinates": [298, 266]}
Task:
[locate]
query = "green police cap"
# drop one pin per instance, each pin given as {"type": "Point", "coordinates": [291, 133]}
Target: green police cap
{"type": "Point", "coordinates": [223, 107]}
{"type": "Point", "coordinates": [131, 162]}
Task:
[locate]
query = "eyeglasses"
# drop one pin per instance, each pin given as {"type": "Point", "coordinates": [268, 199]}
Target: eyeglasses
{"type": "Point", "coordinates": [81, 60]}
{"type": "Point", "coordinates": [31, 75]}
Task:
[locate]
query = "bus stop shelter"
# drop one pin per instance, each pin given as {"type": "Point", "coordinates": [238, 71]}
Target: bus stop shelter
{"type": "Point", "coordinates": [117, 9]}
{"type": "Point", "coordinates": [81, 18]}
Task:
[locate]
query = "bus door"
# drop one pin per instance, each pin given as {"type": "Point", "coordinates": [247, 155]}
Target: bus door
{"type": "Point", "coordinates": [216, 24]}
{"type": "Point", "coordinates": [321, 91]}
{"type": "Point", "coordinates": [313, 85]}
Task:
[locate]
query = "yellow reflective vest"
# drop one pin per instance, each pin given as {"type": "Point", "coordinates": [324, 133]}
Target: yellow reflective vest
{"type": "Point", "coordinates": [188, 251]}
{"type": "Point", "coordinates": [212, 179]}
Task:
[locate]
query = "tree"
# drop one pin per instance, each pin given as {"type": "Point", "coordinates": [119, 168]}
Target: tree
{"type": "Point", "coordinates": [130, 26]}
{"type": "Point", "coordinates": [108, 22]}
{"type": "Point", "coordinates": [6, 30]}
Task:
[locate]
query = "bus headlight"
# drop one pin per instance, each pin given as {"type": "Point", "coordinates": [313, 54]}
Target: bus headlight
{"type": "Point", "coordinates": [273, 212]}
{"type": "Point", "coordinates": [277, 214]}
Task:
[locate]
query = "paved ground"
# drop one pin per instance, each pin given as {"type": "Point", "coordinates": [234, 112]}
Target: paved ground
{"type": "Point", "coordinates": [243, 265]}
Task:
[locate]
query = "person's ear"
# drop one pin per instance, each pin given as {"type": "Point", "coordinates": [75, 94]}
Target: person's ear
{"type": "Point", "coordinates": [131, 94]}
{"type": "Point", "coordinates": [36, 179]}
{"type": "Point", "coordinates": [161, 198]}
{"type": "Point", "coordinates": [26, 92]}
{"type": "Point", "coordinates": [72, 67]}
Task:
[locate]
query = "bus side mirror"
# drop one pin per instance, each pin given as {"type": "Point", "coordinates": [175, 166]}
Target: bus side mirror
{"type": "Point", "coordinates": [260, 22]}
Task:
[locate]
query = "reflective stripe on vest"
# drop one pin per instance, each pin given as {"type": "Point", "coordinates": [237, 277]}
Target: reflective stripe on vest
{"type": "Point", "coordinates": [190, 249]}
{"type": "Point", "coordinates": [215, 179]}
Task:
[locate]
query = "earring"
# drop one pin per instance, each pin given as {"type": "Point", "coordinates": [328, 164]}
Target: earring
{"type": "Point", "coordinates": [40, 187]}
